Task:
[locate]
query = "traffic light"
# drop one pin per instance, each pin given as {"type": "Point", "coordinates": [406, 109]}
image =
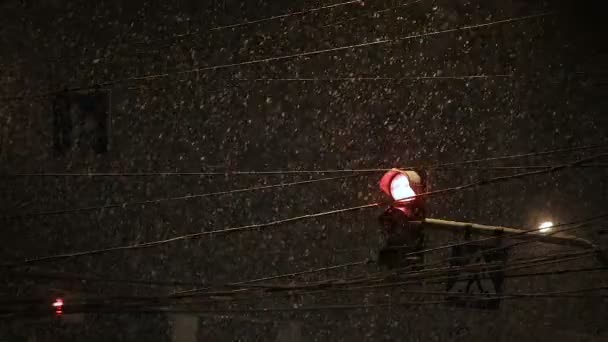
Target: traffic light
{"type": "Point", "coordinates": [58, 306]}
{"type": "Point", "coordinates": [401, 222]}
{"type": "Point", "coordinates": [404, 188]}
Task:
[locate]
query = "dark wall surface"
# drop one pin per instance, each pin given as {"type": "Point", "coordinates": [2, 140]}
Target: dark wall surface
{"type": "Point", "coordinates": [541, 86]}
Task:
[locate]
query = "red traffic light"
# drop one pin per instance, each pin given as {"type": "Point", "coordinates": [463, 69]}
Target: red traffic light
{"type": "Point", "coordinates": [402, 186]}
{"type": "Point", "coordinates": [58, 305]}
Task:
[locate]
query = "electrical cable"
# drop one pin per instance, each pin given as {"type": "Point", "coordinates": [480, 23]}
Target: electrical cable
{"type": "Point", "coordinates": [262, 20]}
{"type": "Point", "coordinates": [371, 13]}
{"type": "Point", "coordinates": [115, 309]}
{"type": "Point", "coordinates": [283, 57]}
{"type": "Point", "coordinates": [482, 276]}
{"type": "Point", "coordinates": [344, 79]}
{"type": "Point", "coordinates": [373, 281]}
{"type": "Point", "coordinates": [437, 166]}
{"type": "Point", "coordinates": [292, 289]}
{"type": "Point", "coordinates": [443, 278]}
{"type": "Point", "coordinates": [512, 177]}
{"type": "Point", "coordinates": [379, 79]}
{"type": "Point", "coordinates": [54, 275]}
{"type": "Point", "coordinates": [279, 276]}
{"type": "Point", "coordinates": [308, 289]}
{"type": "Point", "coordinates": [576, 225]}
{"type": "Point", "coordinates": [294, 219]}
{"type": "Point", "coordinates": [167, 199]}
{"type": "Point", "coordinates": [240, 24]}
{"type": "Point", "coordinates": [552, 169]}
{"type": "Point", "coordinates": [282, 16]}
{"type": "Point", "coordinates": [341, 48]}
{"type": "Point", "coordinates": [523, 155]}
{"type": "Point", "coordinates": [150, 244]}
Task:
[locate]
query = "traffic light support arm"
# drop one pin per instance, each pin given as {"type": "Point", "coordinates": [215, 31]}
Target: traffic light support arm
{"type": "Point", "coordinates": [518, 234]}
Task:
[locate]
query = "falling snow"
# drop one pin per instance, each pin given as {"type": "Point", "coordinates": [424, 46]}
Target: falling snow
{"type": "Point", "coordinates": [537, 85]}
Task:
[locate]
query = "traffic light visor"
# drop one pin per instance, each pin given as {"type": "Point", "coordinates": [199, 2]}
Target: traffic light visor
{"type": "Point", "coordinates": [400, 185]}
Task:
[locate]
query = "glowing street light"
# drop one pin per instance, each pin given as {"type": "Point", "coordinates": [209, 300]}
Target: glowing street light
{"type": "Point", "coordinates": [545, 227]}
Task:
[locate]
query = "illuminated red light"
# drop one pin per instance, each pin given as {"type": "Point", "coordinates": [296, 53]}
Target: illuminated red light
{"type": "Point", "coordinates": [58, 305]}
{"type": "Point", "coordinates": [401, 190]}
{"type": "Point", "coordinates": [401, 186]}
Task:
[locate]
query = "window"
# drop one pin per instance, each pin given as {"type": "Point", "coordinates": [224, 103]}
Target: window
{"type": "Point", "coordinates": [81, 121]}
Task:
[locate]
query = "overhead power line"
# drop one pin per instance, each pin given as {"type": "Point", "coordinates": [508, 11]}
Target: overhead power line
{"type": "Point", "coordinates": [409, 271]}
{"type": "Point", "coordinates": [429, 276]}
{"type": "Point", "coordinates": [515, 176]}
{"type": "Point", "coordinates": [436, 166]}
{"type": "Point", "coordinates": [376, 42]}
{"type": "Point", "coordinates": [347, 79]}
{"type": "Point", "coordinates": [569, 226]}
{"type": "Point", "coordinates": [335, 286]}
{"type": "Point", "coordinates": [371, 13]}
{"type": "Point", "coordinates": [369, 282]}
{"type": "Point", "coordinates": [250, 227]}
{"type": "Point", "coordinates": [144, 308]}
{"type": "Point", "coordinates": [438, 279]}
{"type": "Point", "coordinates": [517, 167]}
{"type": "Point", "coordinates": [168, 199]}
{"type": "Point", "coordinates": [100, 278]}
{"type": "Point", "coordinates": [53, 275]}
{"type": "Point", "coordinates": [241, 24]}
{"type": "Point", "coordinates": [104, 279]}
{"type": "Point", "coordinates": [275, 277]}
{"type": "Point", "coordinates": [278, 17]}
{"type": "Point", "coordinates": [266, 19]}
{"type": "Point", "coordinates": [341, 307]}
{"type": "Point", "coordinates": [524, 155]}
{"type": "Point", "coordinates": [262, 20]}
{"type": "Point", "coordinates": [96, 278]}
{"type": "Point", "coordinates": [342, 48]}
{"type": "Point", "coordinates": [379, 79]}
{"type": "Point", "coordinates": [212, 173]}
{"type": "Point", "coordinates": [326, 288]}
{"type": "Point", "coordinates": [557, 258]}
{"type": "Point", "coordinates": [575, 225]}
{"type": "Point", "coordinates": [275, 223]}
{"type": "Point", "coordinates": [340, 79]}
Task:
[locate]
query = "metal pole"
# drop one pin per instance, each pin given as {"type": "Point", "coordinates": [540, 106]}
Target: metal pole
{"type": "Point", "coordinates": [513, 233]}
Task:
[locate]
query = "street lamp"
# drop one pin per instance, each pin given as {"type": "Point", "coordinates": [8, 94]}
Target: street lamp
{"type": "Point", "coordinates": [545, 227]}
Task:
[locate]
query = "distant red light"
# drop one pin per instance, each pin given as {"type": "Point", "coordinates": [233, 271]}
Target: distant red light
{"type": "Point", "coordinates": [58, 305]}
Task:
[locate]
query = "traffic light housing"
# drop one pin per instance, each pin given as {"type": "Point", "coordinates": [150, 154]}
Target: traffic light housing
{"type": "Point", "coordinates": [404, 187]}
{"type": "Point", "coordinates": [401, 222]}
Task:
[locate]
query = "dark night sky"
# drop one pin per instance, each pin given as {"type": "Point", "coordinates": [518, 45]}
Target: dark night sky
{"type": "Point", "coordinates": [543, 87]}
